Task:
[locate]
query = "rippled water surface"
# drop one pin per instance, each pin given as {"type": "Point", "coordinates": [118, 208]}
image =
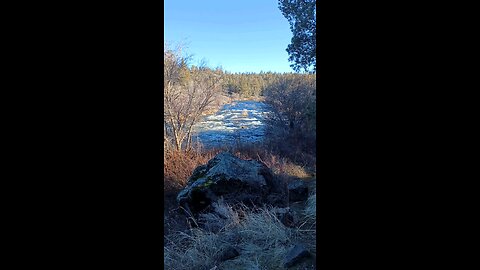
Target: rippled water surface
{"type": "Point", "coordinates": [239, 122]}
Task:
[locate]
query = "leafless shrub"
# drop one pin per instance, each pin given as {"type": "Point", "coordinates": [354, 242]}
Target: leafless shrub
{"type": "Point", "coordinates": [291, 128]}
{"type": "Point", "coordinates": [187, 92]}
{"type": "Point", "coordinates": [179, 165]}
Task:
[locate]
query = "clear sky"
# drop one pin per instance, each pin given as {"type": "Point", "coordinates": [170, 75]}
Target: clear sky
{"type": "Point", "coordinates": [239, 35]}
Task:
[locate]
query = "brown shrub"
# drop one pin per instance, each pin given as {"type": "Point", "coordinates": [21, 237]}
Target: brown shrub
{"type": "Point", "coordinates": [179, 165]}
{"type": "Point", "coordinates": [280, 165]}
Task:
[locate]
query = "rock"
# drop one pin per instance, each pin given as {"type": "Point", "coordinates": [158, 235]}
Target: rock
{"type": "Point", "coordinates": [297, 191]}
{"type": "Point", "coordinates": [227, 254]}
{"type": "Point", "coordinates": [234, 179]}
{"type": "Point", "coordinates": [285, 216]}
{"type": "Point", "coordinates": [295, 255]}
{"type": "Point", "coordinates": [278, 199]}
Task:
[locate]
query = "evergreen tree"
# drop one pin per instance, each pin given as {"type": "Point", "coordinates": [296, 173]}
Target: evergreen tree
{"type": "Point", "coordinates": [301, 14]}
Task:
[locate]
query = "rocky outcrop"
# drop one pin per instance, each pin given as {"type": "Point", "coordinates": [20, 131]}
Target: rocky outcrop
{"type": "Point", "coordinates": [295, 255]}
{"type": "Point", "coordinates": [297, 191]}
{"type": "Point", "coordinates": [234, 179]}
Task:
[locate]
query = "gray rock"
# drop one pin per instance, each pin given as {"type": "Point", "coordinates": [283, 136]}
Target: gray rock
{"type": "Point", "coordinates": [227, 254]}
{"type": "Point", "coordinates": [278, 199]}
{"type": "Point", "coordinates": [297, 191]}
{"type": "Point", "coordinates": [234, 179]}
{"type": "Point", "coordinates": [295, 255]}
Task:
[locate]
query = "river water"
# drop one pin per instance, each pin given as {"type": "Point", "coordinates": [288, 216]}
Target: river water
{"type": "Point", "coordinates": [237, 123]}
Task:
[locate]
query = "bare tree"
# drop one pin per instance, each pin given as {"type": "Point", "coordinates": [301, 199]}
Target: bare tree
{"type": "Point", "coordinates": [187, 93]}
{"type": "Point", "coordinates": [293, 101]}
{"type": "Point", "coordinates": [172, 64]}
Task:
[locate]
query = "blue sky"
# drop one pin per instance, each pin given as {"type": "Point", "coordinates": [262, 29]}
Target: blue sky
{"type": "Point", "coordinates": [239, 35]}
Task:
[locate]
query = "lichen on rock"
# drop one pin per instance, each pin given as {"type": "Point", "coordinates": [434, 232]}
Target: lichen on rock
{"type": "Point", "coordinates": [227, 176]}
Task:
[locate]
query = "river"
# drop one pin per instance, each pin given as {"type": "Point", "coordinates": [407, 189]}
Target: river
{"type": "Point", "coordinates": [237, 123]}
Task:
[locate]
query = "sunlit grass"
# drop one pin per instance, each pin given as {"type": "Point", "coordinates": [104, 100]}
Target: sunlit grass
{"type": "Point", "coordinates": [261, 239]}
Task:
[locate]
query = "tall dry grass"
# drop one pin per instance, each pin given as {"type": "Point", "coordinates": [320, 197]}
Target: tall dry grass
{"type": "Point", "coordinates": [261, 239]}
{"type": "Point", "coordinates": [257, 234]}
{"type": "Point", "coordinates": [280, 165]}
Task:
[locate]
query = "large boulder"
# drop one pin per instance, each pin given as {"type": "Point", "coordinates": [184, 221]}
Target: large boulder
{"type": "Point", "coordinates": [234, 179]}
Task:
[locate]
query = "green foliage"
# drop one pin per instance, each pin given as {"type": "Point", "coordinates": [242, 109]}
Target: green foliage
{"type": "Point", "coordinates": [248, 85]}
{"type": "Point", "coordinates": [301, 14]}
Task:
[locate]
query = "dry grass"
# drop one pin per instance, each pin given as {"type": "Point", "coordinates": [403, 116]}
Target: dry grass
{"type": "Point", "coordinates": [294, 170]}
{"type": "Point", "coordinates": [179, 165]}
{"type": "Point", "coordinates": [279, 165]}
{"type": "Point", "coordinates": [261, 239]}
{"type": "Point", "coordinates": [311, 207]}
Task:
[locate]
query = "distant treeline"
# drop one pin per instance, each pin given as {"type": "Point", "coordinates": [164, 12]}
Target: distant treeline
{"type": "Point", "coordinates": [291, 130]}
{"type": "Point", "coordinates": [254, 84]}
